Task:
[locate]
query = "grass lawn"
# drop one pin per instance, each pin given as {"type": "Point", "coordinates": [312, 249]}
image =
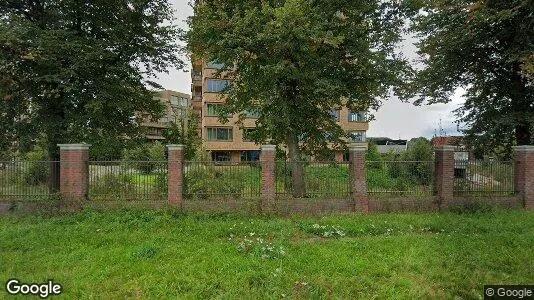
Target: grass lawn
{"type": "Point", "coordinates": [169, 255]}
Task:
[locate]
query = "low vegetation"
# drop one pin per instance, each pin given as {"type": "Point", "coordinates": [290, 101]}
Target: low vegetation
{"type": "Point", "coordinates": [166, 254]}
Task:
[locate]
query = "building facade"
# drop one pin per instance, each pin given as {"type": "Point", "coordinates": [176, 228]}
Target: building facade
{"type": "Point", "coordinates": [177, 107]}
{"type": "Point", "coordinates": [228, 142]}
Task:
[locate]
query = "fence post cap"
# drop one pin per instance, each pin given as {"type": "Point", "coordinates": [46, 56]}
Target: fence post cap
{"type": "Point", "coordinates": [524, 148]}
{"type": "Point", "coordinates": [82, 146]}
{"type": "Point", "coordinates": [358, 147]}
{"type": "Point", "coordinates": [268, 147]}
{"type": "Point", "coordinates": [175, 147]}
{"type": "Point", "coordinates": [445, 148]}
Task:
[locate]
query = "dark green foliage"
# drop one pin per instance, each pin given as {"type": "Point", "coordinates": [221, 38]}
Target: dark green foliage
{"type": "Point", "coordinates": [293, 61]}
{"type": "Point", "coordinates": [112, 187]}
{"type": "Point", "coordinates": [80, 71]}
{"type": "Point", "coordinates": [486, 48]}
{"type": "Point", "coordinates": [471, 206]}
{"type": "Point", "coordinates": [146, 157]}
{"type": "Point", "coordinates": [180, 134]}
{"type": "Point", "coordinates": [209, 182]}
{"type": "Point", "coordinates": [373, 155]}
{"type": "Point", "coordinates": [38, 168]}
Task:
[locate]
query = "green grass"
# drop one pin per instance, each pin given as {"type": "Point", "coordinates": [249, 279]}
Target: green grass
{"type": "Point", "coordinates": [168, 255]}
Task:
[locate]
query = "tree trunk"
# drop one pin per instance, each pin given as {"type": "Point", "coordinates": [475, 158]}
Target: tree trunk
{"type": "Point", "coordinates": [297, 169]}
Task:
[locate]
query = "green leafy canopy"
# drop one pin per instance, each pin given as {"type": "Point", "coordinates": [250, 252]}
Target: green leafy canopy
{"type": "Point", "coordinates": [81, 70]}
{"type": "Point", "coordinates": [293, 61]}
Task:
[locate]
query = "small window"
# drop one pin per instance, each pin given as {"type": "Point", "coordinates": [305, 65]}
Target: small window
{"type": "Point", "coordinates": [220, 156]}
{"type": "Point", "coordinates": [253, 155]}
{"type": "Point", "coordinates": [214, 110]}
{"type": "Point", "coordinates": [334, 113]}
{"type": "Point", "coordinates": [356, 136]}
{"type": "Point", "coordinates": [217, 85]}
{"type": "Point", "coordinates": [215, 65]}
{"type": "Point", "coordinates": [359, 116]}
{"type": "Point", "coordinates": [220, 134]}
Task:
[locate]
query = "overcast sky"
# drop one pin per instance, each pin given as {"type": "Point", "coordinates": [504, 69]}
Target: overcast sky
{"type": "Point", "coordinates": [394, 119]}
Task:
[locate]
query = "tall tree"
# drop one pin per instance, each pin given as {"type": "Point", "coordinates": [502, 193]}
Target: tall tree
{"type": "Point", "coordinates": [80, 70]}
{"type": "Point", "coordinates": [486, 47]}
{"type": "Point", "coordinates": [292, 61]}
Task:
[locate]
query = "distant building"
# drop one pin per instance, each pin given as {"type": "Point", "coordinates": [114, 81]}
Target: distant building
{"type": "Point", "coordinates": [177, 108]}
{"type": "Point", "coordinates": [230, 142]}
{"type": "Point", "coordinates": [387, 145]}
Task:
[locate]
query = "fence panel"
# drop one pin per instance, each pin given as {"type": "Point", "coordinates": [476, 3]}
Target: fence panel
{"type": "Point", "coordinates": [25, 180]}
{"type": "Point", "coordinates": [323, 180]}
{"type": "Point", "coordinates": [128, 181]}
{"type": "Point", "coordinates": [400, 178]}
{"type": "Point", "coordinates": [484, 177]}
{"type": "Point", "coordinates": [207, 180]}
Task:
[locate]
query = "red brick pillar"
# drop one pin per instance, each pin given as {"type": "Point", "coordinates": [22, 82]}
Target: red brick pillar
{"type": "Point", "coordinates": [175, 174]}
{"type": "Point", "coordinates": [74, 171]}
{"type": "Point", "coordinates": [268, 180]}
{"type": "Point", "coordinates": [444, 175]}
{"type": "Point", "coordinates": [358, 182]}
{"type": "Point", "coordinates": [524, 174]}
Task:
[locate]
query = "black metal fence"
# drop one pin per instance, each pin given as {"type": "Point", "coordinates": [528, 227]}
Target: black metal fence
{"type": "Point", "coordinates": [26, 179]}
{"type": "Point", "coordinates": [128, 180]}
{"type": "Point", "coordinates": [205, 180]}
{"type": "Point", "coordinates": [399, 178]}
{"type": "Point", "coordinates": [488, 177]}
{"type": "Point", "coordinates": [321, 179]}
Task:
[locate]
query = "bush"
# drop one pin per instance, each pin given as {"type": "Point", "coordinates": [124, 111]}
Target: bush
{"type": "Point", "coordinates": [145, 158]}
{"type": "Point", "coordinates": [38, 169]}
{"type": "Point", "coordinates": [112, 186]}
{"type": "Point", "coordinates": [207, 182]}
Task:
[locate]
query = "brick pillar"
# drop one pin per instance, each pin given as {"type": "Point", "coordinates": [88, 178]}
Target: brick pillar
{"type": "Point", "coordinates": [74, 171]}
{"type": "Point", "coordinates": [524, 174]}
{"type": "Point", "coordinates": [358, 183]}
{"type": "Point", "coordinates": [268, 180]}
{"type": "Point", "coordinates": [444, 175]}
{"type": "Point", "coordinates": [175, 174]}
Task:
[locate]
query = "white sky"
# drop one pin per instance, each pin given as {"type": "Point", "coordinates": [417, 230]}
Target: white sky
{"type": "Point", "coordinates": [394, 119]}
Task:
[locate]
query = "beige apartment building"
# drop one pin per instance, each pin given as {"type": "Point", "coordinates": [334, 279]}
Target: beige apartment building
{"type": "Point", "coordinates": [177, 107]}
{"type": "Point", "coordinates": [228, 142]}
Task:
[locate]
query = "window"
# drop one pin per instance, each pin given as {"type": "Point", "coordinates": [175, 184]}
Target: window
{"type": "Point", "coordinates": [359, 116]}
{"type": "Point", "coordinates": [179, 101]}
{"type": "Point", "coordinates": [252, 113]}
{"type": "Point", "coordinates": [220, 134]}
{"type": "Point", "coordinates": [220, 156]}
{"type": "Point", "coordinates": [214, 65]}
{"type": "Point", "coordinates": [246, 134]}
{"type": "Point", "coordinates": [335, 114]}
{"type": "Point", "coordinates": [214, 109]}
{"type": "Point", "coordinates": [253, 155]}
{"type": "Point", "coordinates": [356, 136]}
{"type": "Point", "coordinates": [217, 85]}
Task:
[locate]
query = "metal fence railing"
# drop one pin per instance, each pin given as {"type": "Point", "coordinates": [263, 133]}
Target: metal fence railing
{"type": "Point", "coordinates": [205, 180]}
{"type": "Point", "coordinates": [478, 177]}
{"type": "Point", "coordinates": [399, 178]}
{"type": "Point", "coordinates": [321, 179]}
{"type": "Point", "coordinates": [25, 179]}
{"type": "Point", "coordinates": [128, 180]}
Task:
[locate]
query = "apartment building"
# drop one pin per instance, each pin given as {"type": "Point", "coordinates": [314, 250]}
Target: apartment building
{"type": "Point", "coordinates": [177, 108]}
{"type": "Point", "coordinates": [228, 142]}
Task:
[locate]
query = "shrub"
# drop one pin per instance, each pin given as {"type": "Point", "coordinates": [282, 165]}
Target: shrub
{"type": "Point", "coordinates": [145, 158]}
{"type": "Point", "coordinates": [38, 169]}
{"type": "Point", "coordinates": [207, 182]}
{"type": "Point", "coordinates": [112, 186]}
